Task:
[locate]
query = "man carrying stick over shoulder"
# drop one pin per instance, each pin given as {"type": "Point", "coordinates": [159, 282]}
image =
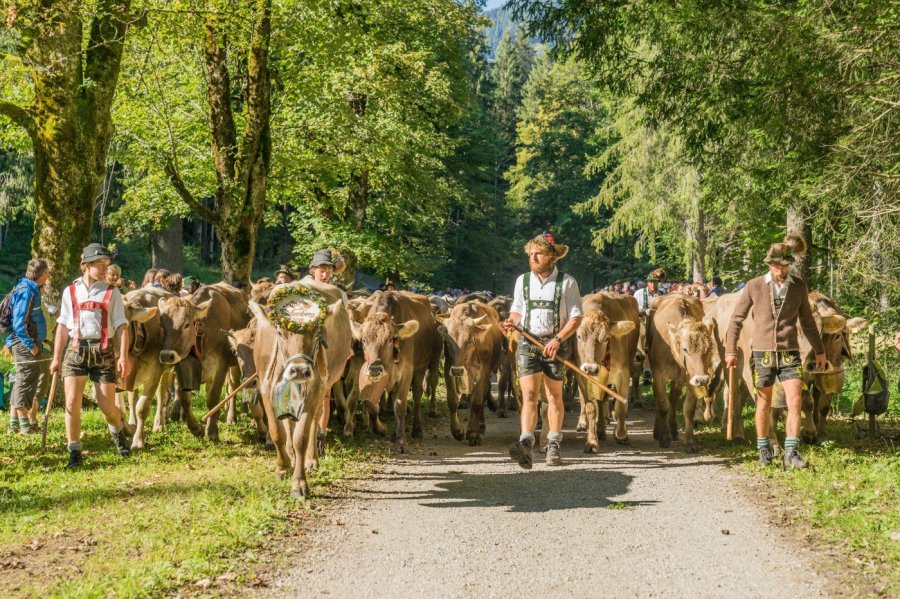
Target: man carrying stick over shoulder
{"type": "Point", "coordinates": [546, 304]}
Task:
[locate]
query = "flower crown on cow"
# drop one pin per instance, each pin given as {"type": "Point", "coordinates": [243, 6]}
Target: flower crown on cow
{"type": "Point", "coordinates": [296, 308]}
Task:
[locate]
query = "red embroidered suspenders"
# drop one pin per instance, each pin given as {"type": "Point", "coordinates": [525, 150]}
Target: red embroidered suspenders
{"type": "Point", "coordinates": [90, 305]}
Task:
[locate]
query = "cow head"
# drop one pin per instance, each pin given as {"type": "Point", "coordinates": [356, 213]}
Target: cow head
{"type": "Point", "coordinates": [834, 329]}
{"type": "Point", "coordinates": [594, 334]}
{"type": "Point", "coordinates": [693, 345]}
{"type": "Point", "coordinates": [380, 337]}
{"type": "Point", "coordinates": [241, 342]}
{"type": "Point", "coordinates": [177, 317]}
{"type": "Point", "coordinates": [461, 330]}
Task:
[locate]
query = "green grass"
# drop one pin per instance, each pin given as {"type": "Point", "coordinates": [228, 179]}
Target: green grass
{"type": "Point", "coordinates": [848, 502]}
{"type": "Point", "coordinates": [181, 511]}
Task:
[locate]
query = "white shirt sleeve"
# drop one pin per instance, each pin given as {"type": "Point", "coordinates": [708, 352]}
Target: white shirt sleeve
{"type": "Point", "coordinates": [518, 304]}
{"type": "Point", "coordinates": [573, 299]}
{"type": "Point", "coordinates": [116, 316]}
{"type": "Point", "coordinates": [65, 309]}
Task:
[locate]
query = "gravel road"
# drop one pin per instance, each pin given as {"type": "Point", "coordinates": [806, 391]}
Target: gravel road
{"type": "Point", "coordinates": [451, 520]}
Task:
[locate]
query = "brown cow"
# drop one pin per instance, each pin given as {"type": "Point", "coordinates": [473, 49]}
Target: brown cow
{"type": "Point", "coordinates": [398, 339]}
{"type": "Point", "coordinates": [346, 391]}
{"type": "Point", "coordinates": [472, 351]}
{"type": "Point", "coordinates": [305, 365]}
{"type": "Point", "coordinates": [242, 342]}
{"type": "Point", "coordinates": [506, 377]}
{"type": "Point", "coordinates": [607, 342]}
{"type": "Point", "coordinates": [198, 326]}
{"type": "Point", "coordinates": [146, 372]}
{"type": "Point", "coordinates": [434, 368]}
{"type": "Point", "coordinates": [681, 353]}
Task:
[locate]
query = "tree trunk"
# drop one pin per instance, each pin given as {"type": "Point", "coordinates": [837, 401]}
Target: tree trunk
{"type": "Point", "coordinates": [698, 262]}
{"type": "Point", "coordinates": [167, 247]}
{"type": "Point", "coordinates": [799, 223]}
{"type": "Point", "coordinates": [69, 122]}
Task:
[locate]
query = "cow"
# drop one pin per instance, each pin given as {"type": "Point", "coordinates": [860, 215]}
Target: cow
{"type": "Point", "coordinates": [195, 332]}
{"type": "Point", "coordinates": [606, 345]}
{"type": "Point", "coordinates": [472, 342]}
{"type": "Point", "coordinates": [834, 328]}
{"type": "Point", "coordinates": [434, 368]}
{"type": "Point", "coordinates": [242, 342]}
{"type": "Point", "coordinates": [346, 391]}
{"type": "Point", "coordinates": [145, 370]}
{"type": "Point", "coordinates": [681, 354]}
{"type": "Point", "coordinates": [398, 340]}
{"type": "Point", "coordinates": [305, 365]}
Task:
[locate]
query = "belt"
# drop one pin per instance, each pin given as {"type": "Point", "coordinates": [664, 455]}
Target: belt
{"type": "Point", "coordinates": [88, 342]}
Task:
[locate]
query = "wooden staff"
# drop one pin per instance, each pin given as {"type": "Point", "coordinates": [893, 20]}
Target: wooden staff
{"type": "Point", "coordinates": [728, 433]}
{"type": "Point", "coordinates": [219, 405]}
{"type": "Point", "coordinates": [577, 370]}
{"type": "Point", "coordinates": [54, 382]}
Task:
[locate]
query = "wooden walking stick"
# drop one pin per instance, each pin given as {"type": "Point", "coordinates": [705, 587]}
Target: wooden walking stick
{"type": "Point", "coordinates": [577, 370]}
{"type": "Point", "coordinates": [54, 382]}
{"type": "Point", "coordinates": [219, 405]}
{"type": "Point", "coordinates": [728, 431]}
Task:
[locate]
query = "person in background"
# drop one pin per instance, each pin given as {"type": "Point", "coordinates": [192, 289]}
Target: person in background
{"type": "Point", "coordinates": [25, 343]}
{"type": "Point", "coordinates": [174, 283]}
{"type": "Point", "coordinates": [160, 280]}
{"type": "Point", "coordinates": [715, 287]}
{"type": "Point", "coordinates": [284, 275]}
{"type": "Point", "coordinates": [644, 297]}
{"type": "Point", "coordinates": [148, 278]}
{"type": "Point", "coordinates": [187, 286]}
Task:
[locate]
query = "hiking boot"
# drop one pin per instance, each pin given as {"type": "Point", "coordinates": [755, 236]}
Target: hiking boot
{"type": "Point", "coordinates": [29, 429]}
{"type": "Point", "coordinates": [520, 452]}
{"type": "Point", "coordinates": [120, 440]}
{"type": "Point", "coordinates": [553, 458]}
{"type": "Point", "coordinates": [12, 429]}
{"type": "Point", "coordinates": [765, 457]}
{"type": "Point", "coordinates": [75, 459]}
{"type": "Point", "coordinates": [793, 460]}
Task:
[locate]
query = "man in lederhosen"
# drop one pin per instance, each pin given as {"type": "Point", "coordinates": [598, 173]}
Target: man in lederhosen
{"type": "Point", "coordinates": [547, 304]}
{"type": "Point", "coordinates": [779, 299]}
{"type": "Point", "coordinates": [91, 323]}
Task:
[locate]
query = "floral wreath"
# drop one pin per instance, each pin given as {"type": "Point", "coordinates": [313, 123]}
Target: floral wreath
{"type": "Point", "coordinates": [282, 317]}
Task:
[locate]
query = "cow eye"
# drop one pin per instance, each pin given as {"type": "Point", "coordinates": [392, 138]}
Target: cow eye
{"type": "Point", "coordinates": [187, 326]}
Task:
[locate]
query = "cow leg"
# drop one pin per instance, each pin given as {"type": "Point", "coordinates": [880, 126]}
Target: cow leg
{"type": "Point", "coordinates": [163, 401]}
{"type": "Point", "coordinates": [690, 407]}
{"type": "Point", "coordinates": [456, 428]}
{"type": "Point", "coordinates": [259, 418]}
{"type": "Point", "coordinates": [814, 408]}
{"type": "Point", "coordinates": [476, 410]}
{"type": "Point", "coordinates": [302, 435]}
{"type": "Point", "coordinates": [143, 410]}
{"type": "Point", "coordinates": [339, 400]}
{"type": "Point", "coordinates": [400, 404]}
{"type": "Point", "coordinates": [350, 410]}
{"type": "Point", "coordinates": [214, 396]}
{"type": "Point", "coordinates": [417, 389]}
{"type": "Point", "coordinates": [132, 416]}
{"type": "Point", "coordinates": [620, 410]}
{"type": "Point", "coordinates": [590, 412]}
{"type": "Point", "coordinates": [187, 413]}
{"type": "Point", "coordinates": [661, 431]}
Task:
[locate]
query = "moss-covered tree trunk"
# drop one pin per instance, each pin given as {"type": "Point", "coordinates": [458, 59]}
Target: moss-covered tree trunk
{"type": "Point", "coordinates": [242, 165]}
{"type": "Point", "coordinates": [69, 118]}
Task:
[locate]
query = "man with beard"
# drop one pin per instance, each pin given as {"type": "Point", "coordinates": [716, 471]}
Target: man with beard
{"type": "Point", "coordinates": [546, 304]}
{"type": "Point", "coordinates": [778, 299]}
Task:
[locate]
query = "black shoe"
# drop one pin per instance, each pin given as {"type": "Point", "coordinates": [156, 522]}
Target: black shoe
{"type": "Point", "coordinates": [75, 459]}
{"type": "Point", "coordinates": [553, 458]}
{"type": "Point", "coordinates": [520, 452]}
{"type": "Point", "coordinates": [121, 442]}
{"type": "Point", "coordinates": [793, 460]}
{"type": "Point", "coordinates": [765, 457]}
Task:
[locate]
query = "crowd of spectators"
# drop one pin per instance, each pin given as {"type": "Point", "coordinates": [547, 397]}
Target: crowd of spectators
{"type": "Point", "coordinates": [699, 290]}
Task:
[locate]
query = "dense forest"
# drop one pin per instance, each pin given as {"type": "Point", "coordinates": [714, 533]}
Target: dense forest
{"type": "Point", "coordinates": [427, 143]}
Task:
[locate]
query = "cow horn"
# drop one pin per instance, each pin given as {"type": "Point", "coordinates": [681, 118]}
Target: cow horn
{"type": "Point", "coordinates": [477, 321]}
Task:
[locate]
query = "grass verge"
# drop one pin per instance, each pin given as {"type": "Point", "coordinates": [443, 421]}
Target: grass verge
{"type": "Point", "coordinates": [175, 516]}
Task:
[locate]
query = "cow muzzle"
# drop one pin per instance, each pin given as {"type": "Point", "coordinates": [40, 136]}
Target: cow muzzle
{"type": "Point", "coordinates": [457, 371]}
{"type": "Point", "coordinates": [169, 357]}
{"type": "Point", "coordinates": [375, 371]}
{"type": "Point", "coordinates": [590, 368]}
{"type": "Point", "coordinates": [699, 380]}
{"type": "Point", "coordinates": [297, 372]}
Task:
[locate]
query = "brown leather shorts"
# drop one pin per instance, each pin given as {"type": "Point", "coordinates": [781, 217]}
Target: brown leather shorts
{"type": "Point", "coordinates": [87, 359]}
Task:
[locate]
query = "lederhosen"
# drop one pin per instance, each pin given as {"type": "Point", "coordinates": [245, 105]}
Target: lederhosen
{"type": "Point", "coordinates": [782, 365]}
{"type": "Point", "coordinates": [90, 357]}
{"type": "Point", "coordinates": [529, 358]}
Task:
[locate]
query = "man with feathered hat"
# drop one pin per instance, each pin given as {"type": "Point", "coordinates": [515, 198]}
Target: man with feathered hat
{"type": "Point", "coordinates": [778, 300]}
{"type": "Point", "coordinates": [547, 304]}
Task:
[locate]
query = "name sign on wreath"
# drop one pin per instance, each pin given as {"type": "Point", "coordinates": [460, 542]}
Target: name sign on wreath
{"type": "Point", "coordinates": [296, 309]}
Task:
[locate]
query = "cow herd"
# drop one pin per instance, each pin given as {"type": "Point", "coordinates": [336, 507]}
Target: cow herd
{"type": "Point", "coordinates": [381, 348]}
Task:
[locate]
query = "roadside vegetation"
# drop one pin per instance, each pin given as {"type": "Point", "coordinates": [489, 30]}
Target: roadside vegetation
{"type": "Point", "coordinates": [183, 513]}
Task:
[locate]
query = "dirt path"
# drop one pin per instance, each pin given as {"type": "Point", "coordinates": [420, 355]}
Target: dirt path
{"type": "Point", "coordinates": [630, 522]}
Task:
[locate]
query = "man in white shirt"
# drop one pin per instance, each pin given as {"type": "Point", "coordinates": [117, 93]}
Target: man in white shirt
{"type": "Point", "coordinates": [92, 318]}
{"type": "Point", "coordinates": [644, 297]}
{"type": "Point", "coordinates": [547, 304]}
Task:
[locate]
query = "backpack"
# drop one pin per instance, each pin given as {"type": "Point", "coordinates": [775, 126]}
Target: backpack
{"type": "Point", "coordinates": [6, 316]}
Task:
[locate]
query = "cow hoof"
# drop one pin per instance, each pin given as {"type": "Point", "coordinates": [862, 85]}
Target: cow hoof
{"type": "Point", "coordinates": [589, 448]}
{"type": "Point", "coordinates": [581, 428]}
{"type": "Point", "coordinates": [302, 492]}
{"type": "Point", "coordinates": [810, 439]}
{"type": "Point", "coordinates": [474, 440]}
{"type": "Point", "coordinates": [623, 441]}
{"type": "Point", "coordinates": [311, 465]}
{"type": "Point", "coordinates": [501, 414]}
{"type": "Point", "coordinates": [432, 414]}
{"type": "Point", "coordinates": [601, 434]}
{"type": "Point", "coordinates": [281, 474]}
{"type": "Point", "coordinates": [270, 446]}
{"type": "Point", "coordinates": [482, 428]}
{"type": "Point", "coordinates": [417, 432]}
{"type": "Point", "coordinates": [665, 443]}
{"type": "Point", "coordinates": [691, 448]}
{"type": "Point", "coordinates": [400, 448]}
